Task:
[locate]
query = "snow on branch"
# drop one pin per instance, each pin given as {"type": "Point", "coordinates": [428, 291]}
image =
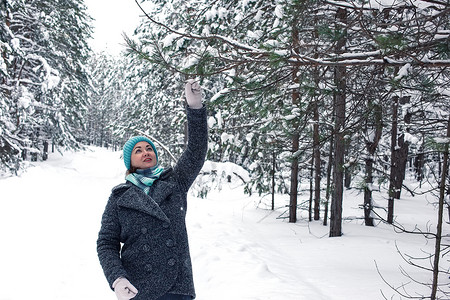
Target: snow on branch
{"type": "Point", "coordinates": [366, 58]}
{"type": "Point", "coordinates": [227, 40]}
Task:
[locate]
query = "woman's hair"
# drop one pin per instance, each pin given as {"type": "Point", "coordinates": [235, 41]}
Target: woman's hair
{"type": "Point", "coordinates": [131, 170]}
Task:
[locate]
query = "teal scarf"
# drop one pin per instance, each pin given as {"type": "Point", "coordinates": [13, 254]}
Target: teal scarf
{"type": "Point", "coordinates": [144, 178]}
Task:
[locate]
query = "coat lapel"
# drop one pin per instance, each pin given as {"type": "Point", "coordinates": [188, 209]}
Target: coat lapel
{"type": "Point", "coordinates": [135, 198]}
{"type": "Point", "coordinates": [161, 190]}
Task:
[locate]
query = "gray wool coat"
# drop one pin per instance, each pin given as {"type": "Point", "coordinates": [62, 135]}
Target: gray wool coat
{"type": "Point", "coordinates": [143, 237]}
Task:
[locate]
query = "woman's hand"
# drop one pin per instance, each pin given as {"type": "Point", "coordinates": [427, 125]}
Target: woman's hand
{"type": "Point", "coordinates": [124, 289]}
{"type": "Point", "coordinates": [193, 93]}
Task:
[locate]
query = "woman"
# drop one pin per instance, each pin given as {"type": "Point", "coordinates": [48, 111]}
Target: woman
{"type": "Point", "coordinates": [142, 244]}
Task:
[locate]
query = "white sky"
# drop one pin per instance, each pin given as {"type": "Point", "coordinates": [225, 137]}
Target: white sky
{"type": "Point", "coordinates": [112, 18]}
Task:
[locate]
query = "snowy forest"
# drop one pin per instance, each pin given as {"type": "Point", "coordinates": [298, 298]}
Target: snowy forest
{"type": "Point", "coordinates": [310, 97]}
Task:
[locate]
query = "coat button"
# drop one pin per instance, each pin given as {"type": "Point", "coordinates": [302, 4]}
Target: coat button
{"type": "Point", "coordinates": [169, 243]}
{"type": "Point", "coordinates": [144, 230]}
{"type": "Point", "coordinates": [148, 267]}
{"type": "Point", "coordinates": [171, 262]}
{"type": "Point", "coordinates": [146, 248]}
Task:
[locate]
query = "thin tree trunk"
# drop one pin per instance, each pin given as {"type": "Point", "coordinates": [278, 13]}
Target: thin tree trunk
{"type": "Point", "coordinates": [371, 148]}
{"type": "Point", "coordinates": [328, 190]}
{"type": "Point", "coordinates": [45, 152]}
{"type": "Point", "coordinates": [316, 157]}
{"type": "Point", "coordinates": [296, 135]}
{"type": "Point", "coordinates": [437, 251]}
{"type": "Point", "coordinates": [368, 206]}
{"type": "Point", "coordinates": [400, 170]}
{"type": "Point", "coordinates": [311, 187]}
{"type": "Point", "coordinates": [390, 216]}
{"type": "Point", "coordinates": [294, 181]}
{"type": "Point", "coordinates": [338, 173]}
{"type": "Point", "coordinates": [4, 79]}
{"type": "Point", "coordinates": [348, 168]}
{"type": "Point", "coordinates": [316, 134]}
{"type": "Point", "coordinates": [439, 164]}
{"type": "Point", "coordinates": [273, 179]}
{"type": "Point", "coordinates": [399, 158]}
{"type": "Point", "coordinates": [419, 162]}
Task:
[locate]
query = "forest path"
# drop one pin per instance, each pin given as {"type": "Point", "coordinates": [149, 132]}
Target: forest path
{"type": "Point", "coordinates": [228, 238]}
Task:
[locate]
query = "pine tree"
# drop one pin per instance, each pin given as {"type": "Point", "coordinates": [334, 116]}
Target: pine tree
{"type": "Point", "coordinates": [44, 52]}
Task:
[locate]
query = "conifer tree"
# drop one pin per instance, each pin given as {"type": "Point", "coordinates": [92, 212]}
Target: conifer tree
{"type": "Point", "coordinates": [44, 51]}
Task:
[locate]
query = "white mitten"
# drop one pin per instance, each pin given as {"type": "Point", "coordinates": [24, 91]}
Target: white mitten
{"type": "Point", "coordinates": [193, 93]}
{"type": "Point", "coordinates": [124, 289]}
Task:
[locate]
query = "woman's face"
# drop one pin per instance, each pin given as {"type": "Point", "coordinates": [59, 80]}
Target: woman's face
{"type": "Point", "coordinates": [143, 156]}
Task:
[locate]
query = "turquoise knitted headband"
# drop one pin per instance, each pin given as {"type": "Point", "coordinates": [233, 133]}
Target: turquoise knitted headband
{"type": "Point", "coordinates": [129, 145]}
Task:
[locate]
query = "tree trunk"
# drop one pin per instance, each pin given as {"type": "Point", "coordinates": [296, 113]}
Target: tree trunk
{"type": "Point", "coordinates": [294, 181]}
{"type": "Point", "coordinates": [316, 157]}
{"type": "Point", "coordinates": [338, 174]}
{"type": "Point", "coordinates": [4, 79]}
{"type": "Point", "coordinates": [347, 178]}
{"type": "Point", "coordinates": [274, 156]}
{"type": "Point", "coordinates": [390, 216]}
{"type": "Point", "coordinates": [437, 250]}
{"type": "Point", "coordinates": [399, 158]}
{"type": "Point", "coordinates": [371, 147]}
{"type": "Point", "coordinates": [419, 163]}
{"type": "Point", "coordinates": [403, 151]}
{"type": "Point", "coordinates": [311, 187]}
{"type": "Point", "coordinates": [328, 190]}
{"type": "Point", "coordinates": [368, 206]}
{"type": "Point", "coordinates": [316, 134]}
{"type": "Point", "coordinates": [45, 152]}
{"type": "Point", "coordinates": [296, 135]}
{"type": "Point", "coordinates": [348, 167]}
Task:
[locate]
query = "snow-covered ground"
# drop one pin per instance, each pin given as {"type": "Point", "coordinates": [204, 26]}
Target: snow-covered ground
{"type": "Point", "coordinates": [50, 216]}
